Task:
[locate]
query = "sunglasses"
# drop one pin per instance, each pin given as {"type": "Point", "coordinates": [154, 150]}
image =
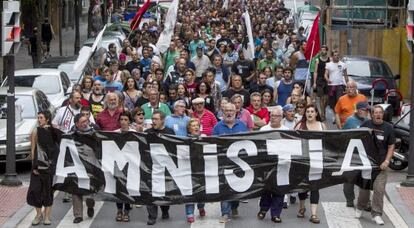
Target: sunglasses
{"type": "Point", "coordinates": [139, 113]}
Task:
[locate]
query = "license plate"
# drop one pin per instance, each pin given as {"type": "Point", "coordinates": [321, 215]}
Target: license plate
{"type": "Point", "coordinates": [378, 100]}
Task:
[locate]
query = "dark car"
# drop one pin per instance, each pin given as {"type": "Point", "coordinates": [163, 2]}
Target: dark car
{"type": "Point", "coordinates": [364, 70]}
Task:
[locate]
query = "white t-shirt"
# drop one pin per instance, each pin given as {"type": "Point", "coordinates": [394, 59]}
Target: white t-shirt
{"type": "Point", "coordinates": [65, 118]}
{"type": "Point", "coordinates": [289, 124]}
{"type": "Point", "coordinates": [268, 128]}
{"type": "Point", "coordinates": [336, 72]}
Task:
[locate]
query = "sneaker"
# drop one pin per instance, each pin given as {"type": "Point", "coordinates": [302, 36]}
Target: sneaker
{"type": "Point", "coordinates": [285, 205]}
{"type": "Point", "coordinates": [190, 219]}
{"type": "Point", "coordinates": [224, 219]}
{"type": "Point", "coordinates": [234, 213]}
{"type": "Point", "coordinates": [202, 212]}
{"type": "Point", "coordinates": [77, 220]}
{"type": "Point", "coordinates": [358, 213]}
{"type": "Point", "coordinates": [378, 220]}
{"type": "Point", "coordinates": [151, 222]}
{"type": "Point", "coordinates": [350, 204]}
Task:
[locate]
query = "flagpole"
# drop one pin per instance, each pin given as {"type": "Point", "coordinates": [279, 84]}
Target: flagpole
{"type": "Point", "coordinates": [132, 30]}
{"type": "Point", "coordinates": [308, 73]}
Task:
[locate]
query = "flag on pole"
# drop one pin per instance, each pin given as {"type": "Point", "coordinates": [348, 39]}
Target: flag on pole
{"type": "Point", "coordinates": [248, 44]}
{"type": "Point", "coordinates": [313, 45]}
{"type": "Point", "coordinates": [169, 24]}
{"type": "Point", "coordinates": [226, 4]}
{"type": "Point", "coordinates": [137, 18]}
{"type": "Point", "coordinates": [158, 12]}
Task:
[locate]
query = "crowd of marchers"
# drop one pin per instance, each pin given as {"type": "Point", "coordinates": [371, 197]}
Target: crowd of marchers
{"type": "Point", "coordinates": [204, 84]}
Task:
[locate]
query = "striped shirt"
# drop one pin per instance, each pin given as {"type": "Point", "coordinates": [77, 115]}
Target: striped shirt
{"type": "Point", "coordinates": [207, 121]}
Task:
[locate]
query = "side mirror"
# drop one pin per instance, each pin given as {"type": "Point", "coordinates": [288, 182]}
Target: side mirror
{"type": "Point", "coordinates": [397, 77]}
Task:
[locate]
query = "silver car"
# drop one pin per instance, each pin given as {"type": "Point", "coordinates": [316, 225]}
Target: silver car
{"type": "Point", "coordinates": [54, 83]}
{"type": "Point", "coordinates": [29, 101]}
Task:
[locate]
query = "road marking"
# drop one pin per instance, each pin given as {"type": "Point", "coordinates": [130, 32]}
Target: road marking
{"type": "Point", "coordinates": [393, 215]}
{"type": "Point", "coordinates": [339, 216]}
{"type": "Point", "coordinates": [212, 217]}
{"type": "Point", "coordinates": [27, 221]}
{"type": "Point", "coordinates": [67, 221]}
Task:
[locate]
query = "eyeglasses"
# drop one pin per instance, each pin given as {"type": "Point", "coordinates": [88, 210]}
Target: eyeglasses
{"type": "Point", "coordinates": [139, 113]}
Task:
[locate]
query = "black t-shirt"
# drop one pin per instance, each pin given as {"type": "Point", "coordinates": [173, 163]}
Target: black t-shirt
{"type": "Point", "coordinates": [244, 93]}
{"type": "Point", "coordinates": [244, 68]}
{"type": "Point", "coordinates": [131, 65]}
{"type": "Point", "coordinates": [140, 101]}
{"type": "Point", "coordinates": [165, 130]}
{"type": "Point", "coordinates": [385, 135]}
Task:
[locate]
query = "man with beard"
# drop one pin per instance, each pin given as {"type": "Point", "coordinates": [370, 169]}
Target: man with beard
{"type": "Point", "coordinates": [177, 76]}
{"type": "Point", "coordinates": [245, 68]}
{"type": "Point", "coordinates": [134, 63]}
{"type": "Point", "coordinates": [64, 119]}
{"type": "Point", "coordinates": [229, 125]}
{"type": "Point", "coordinates": [96, 99]}
{"type": "Point", "coordinates": [107, 120]}
{"type": "Point", "coordinates": [259, 114]}
{"type": "Point", "coordinates": [320, 85]}
{"type": "Point", "coordinates": [300, 64]}
{"type": "Point", "coordinates": [211, 49]}
{"type": "Point", "coordinates": [289, 121]}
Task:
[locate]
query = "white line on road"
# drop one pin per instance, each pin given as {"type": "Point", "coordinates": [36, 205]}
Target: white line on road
{"type": "Point", "coordinates": [212, 217]}
{"type": "Point", "coordinates": [339, 216]}
{"type": "Point", "coordinates": [393, 215]}
{"type": "Point", "coordinates": [67, 221]}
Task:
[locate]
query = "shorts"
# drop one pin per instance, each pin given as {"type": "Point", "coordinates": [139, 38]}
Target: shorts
{"type": "Point", "coordinates": [321, 87]}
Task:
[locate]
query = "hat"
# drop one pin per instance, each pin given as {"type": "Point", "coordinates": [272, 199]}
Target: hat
{"type": "Point", "coordinates": [198, 100]}
{"type": "Point", "coordinates": [122, 56]}
{"type": "Point", "coordinates": [288, 107]}
{"type": "Point", "coordinates": [362, 105]}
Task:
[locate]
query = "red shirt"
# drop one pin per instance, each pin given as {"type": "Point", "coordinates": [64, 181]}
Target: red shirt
{"type": "Point", "coordinates": [263, 113]}
{"type": "Point", "coordinates": [207, 121]}
{"type": "Point", "coordinates": [107, 122]}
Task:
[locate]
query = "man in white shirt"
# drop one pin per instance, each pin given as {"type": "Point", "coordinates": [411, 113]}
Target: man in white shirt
{"type": "Point", "coordinates": [337, 77]}
{"type": "Point", "coordinates": [201, 62]}
{"type": "Point", "coordinates": [275, 122]}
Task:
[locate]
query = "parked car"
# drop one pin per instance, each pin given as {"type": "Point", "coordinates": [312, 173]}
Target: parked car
{"type": "Point", "coordinates": [65, 63]}
{"type": "Point", "coordinates": [29, 101]}
{"type": "Point", "coordinates": [54, 83]}
{"type": "Point", "coordinates": [364, 70]}
{"type": "Point", "coordinates": [106, 40]}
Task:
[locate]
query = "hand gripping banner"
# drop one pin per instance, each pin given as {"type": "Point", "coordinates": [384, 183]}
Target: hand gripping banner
{"type": "Point", "coordinates": [166, 169]}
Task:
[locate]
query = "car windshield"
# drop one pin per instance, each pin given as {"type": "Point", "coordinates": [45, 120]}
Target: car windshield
{"type": "Point", "coordinates": [49, 84]}
{"type": "Point", "coordinates": [368, 68]}
{"type": "Point", "coordinates": [68, 69]}
{"type": "Point", "coordinates": [26, 104]}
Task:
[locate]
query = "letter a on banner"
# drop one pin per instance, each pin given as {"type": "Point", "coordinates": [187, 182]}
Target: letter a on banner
{"type": "Point", "coordinates": [77, 168]}
{"type": "Point", "coordinates": [346, 164]}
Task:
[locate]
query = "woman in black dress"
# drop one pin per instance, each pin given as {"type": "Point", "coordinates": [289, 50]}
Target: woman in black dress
{"type": "Point", "coordinates": [43, 149]}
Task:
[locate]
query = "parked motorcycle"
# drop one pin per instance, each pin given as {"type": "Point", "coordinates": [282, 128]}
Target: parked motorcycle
{"type": "Point", "coordinates": [399, 161]}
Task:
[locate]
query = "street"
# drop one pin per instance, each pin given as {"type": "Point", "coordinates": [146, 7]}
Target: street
{"type": "Point", "coordinates": [331, 211]}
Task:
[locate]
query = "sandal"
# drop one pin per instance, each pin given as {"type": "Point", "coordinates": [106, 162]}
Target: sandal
{"type": "Point", "coordinates": [314, 219]}
{"type": "Point", "coordinates": [125, 218]}
{"type": "Point", "coordinates": [301, 213]}
{"type": "Point", "coordinates": [118, 216]}
{"type": "Point", "coordinates": [261, 215]}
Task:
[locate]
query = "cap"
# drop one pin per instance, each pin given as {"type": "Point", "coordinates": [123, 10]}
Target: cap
{"type": "Point", "coordinates": [198, 100]}
{"type": "Point", "coordinates": [122, 56]}
{"type": "Point", "coordinates": [288, 107]}
{"type": "Point", "coordinates": [362, 105]}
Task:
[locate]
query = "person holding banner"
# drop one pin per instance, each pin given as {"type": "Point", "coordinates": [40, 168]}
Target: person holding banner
{"type": "Point", "coordinates": [193, 129]}
{"type": "Point", "coordinates": [310, 121]}
{"type": "Point", "coordinates": [229, 125]}
{"type": "Point", "coordinates": [40, 192]}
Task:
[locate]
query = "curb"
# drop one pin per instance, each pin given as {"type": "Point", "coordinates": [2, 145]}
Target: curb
{"type": "Point", "coordinates": [399, 205]}
{"type": "Point", "coordinates": [18, 216]}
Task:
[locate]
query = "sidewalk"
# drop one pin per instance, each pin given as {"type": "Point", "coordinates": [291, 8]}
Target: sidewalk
{"type": "Point", "coordinates": [402, 198]}
{"type": "Point", "coordinates": [24, 61]}
{"type": "Point", "coordinates": [11, 200]}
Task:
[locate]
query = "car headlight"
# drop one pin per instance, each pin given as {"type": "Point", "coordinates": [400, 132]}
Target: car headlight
{"type": "Point", "coordinates": [22, 138]}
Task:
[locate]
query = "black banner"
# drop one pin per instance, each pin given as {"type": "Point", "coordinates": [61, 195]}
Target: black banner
{"type": "Point", "coordinates": [166, 169]}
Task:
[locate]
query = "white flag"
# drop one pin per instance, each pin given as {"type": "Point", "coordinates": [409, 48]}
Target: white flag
{"type": "Point", "coordinates": [165, 37]}
{"type": "Point", "coordinates": [249, 50]}
{"type": "Point", "coordinates": [226, 4]}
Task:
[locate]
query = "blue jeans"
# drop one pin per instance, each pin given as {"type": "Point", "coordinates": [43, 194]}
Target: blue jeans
{"type": "Point", "coordinates": [189, 208]}
{"type": "Point", "coordinates": [226, 206]}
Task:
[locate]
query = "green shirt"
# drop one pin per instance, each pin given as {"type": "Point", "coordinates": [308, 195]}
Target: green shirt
{"type": "Point", "coordinates": [148, 110]}
{"type": "Point", "coordinates": [264, 63]}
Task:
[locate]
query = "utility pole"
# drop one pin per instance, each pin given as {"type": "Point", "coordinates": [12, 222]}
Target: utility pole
{"type": "Point", "coordinates": [60, 4]}
{"type": "Point", "coordinates": [409, 181]}
{"type": "Point", "coordinates": [349, 30]}
{"type": "Point", "coordinates": [77, 38]}
{"type": "Point", "coordinates": [10, 41]}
